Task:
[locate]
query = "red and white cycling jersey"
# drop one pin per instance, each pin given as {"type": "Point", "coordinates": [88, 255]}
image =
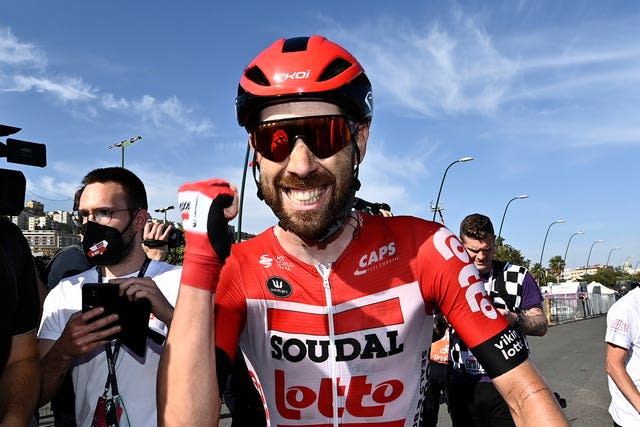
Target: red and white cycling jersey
{"type": "Point", "coordinates": [348, 344]}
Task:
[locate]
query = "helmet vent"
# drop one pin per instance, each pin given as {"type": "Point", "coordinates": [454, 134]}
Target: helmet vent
{"type": "Point", "coordinates": [296, 44]}
{"type": "Point", "coordinates": [336, 67]}
{"type": "Point", "coordinates": [256, 75]}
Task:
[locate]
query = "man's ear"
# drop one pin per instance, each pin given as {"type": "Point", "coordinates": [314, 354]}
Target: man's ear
{"type": "Point", "coordinates": [363, 136]}
{"type": "Point", "coordinates": [141, 219]}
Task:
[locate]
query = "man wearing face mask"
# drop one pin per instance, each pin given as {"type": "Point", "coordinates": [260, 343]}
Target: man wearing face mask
{"type": "Point", "coordinates": [113, 212]}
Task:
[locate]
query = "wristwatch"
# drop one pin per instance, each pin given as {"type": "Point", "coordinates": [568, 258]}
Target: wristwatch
{"type": "Point", "coordinates": [519, 322]}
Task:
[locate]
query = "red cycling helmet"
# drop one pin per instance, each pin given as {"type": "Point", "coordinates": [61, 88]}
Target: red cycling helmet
{"type": "Point", "coordinates": [304, 68]}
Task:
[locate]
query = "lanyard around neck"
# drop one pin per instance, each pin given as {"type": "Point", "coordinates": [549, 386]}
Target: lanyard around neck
{"type": "Point", "coordinates": [141, 273]}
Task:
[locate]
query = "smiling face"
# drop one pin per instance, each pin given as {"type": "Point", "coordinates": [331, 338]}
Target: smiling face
{"type": "Point", "coordinates": [306, 193]}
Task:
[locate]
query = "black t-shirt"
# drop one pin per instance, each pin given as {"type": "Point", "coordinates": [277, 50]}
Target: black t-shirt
{"type": "Point", "coordinates": [20, 307]}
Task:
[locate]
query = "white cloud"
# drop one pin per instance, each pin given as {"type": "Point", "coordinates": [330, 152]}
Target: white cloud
{"type": "Point", "coordinates": [432, 71]}
{"type": "Point", "coordinates": [23, 57]}
{"type": "Point", "coordinates": [14, 52]}
{"type": "Point", "coordinates": [160, 113]}
{"type": "Point", "coordinates": [555, 84]}
{"type": "Point", "coordinates": [66, 89]}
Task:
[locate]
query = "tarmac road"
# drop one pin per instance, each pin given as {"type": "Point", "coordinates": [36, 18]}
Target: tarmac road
{"type": "Point", "coordinates": [571, 358]}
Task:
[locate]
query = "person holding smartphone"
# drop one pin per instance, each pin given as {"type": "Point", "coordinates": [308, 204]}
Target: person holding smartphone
{"type": "Point", "coordinates": [112, 212]}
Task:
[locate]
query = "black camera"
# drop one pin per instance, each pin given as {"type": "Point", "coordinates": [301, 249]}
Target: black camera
{"type": "Point", "coordinates": [176, 238]}
{"type": "Point", "coordinates": [13, 183]}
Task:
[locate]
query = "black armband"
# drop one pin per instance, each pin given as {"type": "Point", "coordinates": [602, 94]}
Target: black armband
{"type": "Point", "coordinates": [501, 353]}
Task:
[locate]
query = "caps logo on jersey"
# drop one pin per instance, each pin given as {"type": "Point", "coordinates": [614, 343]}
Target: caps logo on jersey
{"type": "Point", "coordinates": [279, 287]}
{"type": "Point", "coordinates": [376, 258]}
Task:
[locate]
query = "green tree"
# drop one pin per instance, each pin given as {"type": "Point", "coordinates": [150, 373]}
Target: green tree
{"type": "Point", "coordinates": [508, 253]}
{"type": "Point", "coordinates": [608, 276]}
{"type": "Point", "coordinates": [175, 256]}
{"type": "Point", "coordinates": [537, 272]}
{"type": "Point", "coordinates": [556, 266]}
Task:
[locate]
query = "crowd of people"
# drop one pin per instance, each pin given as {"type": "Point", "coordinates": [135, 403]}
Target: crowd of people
{"type": "Point", "coordinates": [326, 318]}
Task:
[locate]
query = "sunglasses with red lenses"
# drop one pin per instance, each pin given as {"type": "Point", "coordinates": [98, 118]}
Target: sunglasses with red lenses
{"type": "Point", "coordinates": [324, 135]}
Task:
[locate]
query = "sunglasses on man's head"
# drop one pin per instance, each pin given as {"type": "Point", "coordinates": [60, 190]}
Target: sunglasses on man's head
{"type": "Point", "coordinates": [324, 135]}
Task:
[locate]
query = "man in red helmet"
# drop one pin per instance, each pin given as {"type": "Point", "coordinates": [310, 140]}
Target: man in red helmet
{"type": "Point", "coordinates": [331, 308]}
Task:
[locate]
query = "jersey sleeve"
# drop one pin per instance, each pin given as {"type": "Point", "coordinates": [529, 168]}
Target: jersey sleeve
{"type": "Point", "coordinates": [619, 326]}
{"type": "Point", "coordinates": [453, 283]}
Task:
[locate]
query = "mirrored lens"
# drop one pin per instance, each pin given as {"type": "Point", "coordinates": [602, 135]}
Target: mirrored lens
{"type": "Point", "coordinates": [325, 136]}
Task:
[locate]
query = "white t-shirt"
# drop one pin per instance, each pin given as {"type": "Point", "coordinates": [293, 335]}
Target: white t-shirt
{"type": "Point", "coordinates": [136, 376]}
{"type": "Point", "coordinates": [623, 330]}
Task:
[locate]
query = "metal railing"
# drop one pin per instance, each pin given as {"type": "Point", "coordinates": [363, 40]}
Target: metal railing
{"type": "Point", "coordinates": [562, 308]}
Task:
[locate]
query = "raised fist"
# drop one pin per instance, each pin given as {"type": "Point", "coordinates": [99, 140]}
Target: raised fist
{"type": "Point", "coordinates": [206, 207]}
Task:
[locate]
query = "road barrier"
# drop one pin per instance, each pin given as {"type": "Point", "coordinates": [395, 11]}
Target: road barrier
{"type": "Point", "coordinates": [562, 308]}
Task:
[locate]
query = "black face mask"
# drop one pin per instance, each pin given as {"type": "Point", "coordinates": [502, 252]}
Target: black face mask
{"type": "Point", "coordinates": [104, 245]}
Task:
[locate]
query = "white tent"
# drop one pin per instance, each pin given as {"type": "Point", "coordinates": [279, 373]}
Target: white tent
{"type": "Point", "coordinates": [599, 288]}
{"type": "Point", "coordinates": [563, 288]}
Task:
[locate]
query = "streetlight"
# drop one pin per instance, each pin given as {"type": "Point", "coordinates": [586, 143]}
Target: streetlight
{"type": "Point", "coordinates": [625, 261]}
{"type": "Point", "coordinates": [164, 211]}
{"type": "Point", "coordinates": [567, 250]}
{"type": "Point", "coordinates": [559, 221]}
{"type": "Point", "coordinates": [609, 256]}
{"type": "Point", "coordinates": [589, 256]}
{"type": "Point", "coordinates": [125, 143]}
{"type": "Point", "coordinates": [462, 160]}
{"type": "Point", "coordinates": [522, 196]}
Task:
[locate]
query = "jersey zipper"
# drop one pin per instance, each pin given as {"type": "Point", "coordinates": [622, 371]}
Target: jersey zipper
{"type": "Point", "coordinates": [325, 270]}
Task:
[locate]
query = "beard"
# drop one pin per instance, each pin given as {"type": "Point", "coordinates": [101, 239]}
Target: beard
{"type": "Point", "coordinates": [313, 225]}
{"type": "Point", "coordinates": [129, 244]}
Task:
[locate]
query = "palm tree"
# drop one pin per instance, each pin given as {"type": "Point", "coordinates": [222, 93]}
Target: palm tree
{"type": "Point", "coordinates": [556, 265]}
{"type": "Point", "coordinates": [537, 272]}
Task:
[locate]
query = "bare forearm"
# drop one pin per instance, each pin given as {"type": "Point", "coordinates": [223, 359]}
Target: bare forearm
{"type": "Point", "coordinates": [54, 367]}
{"type": "Point", "coordinates": [529, 398]}
{"type": "Point", "coordinates": [534, 324]}
{"type": "Point", "coordinates": [19, 389]}
{"type": "Point", "coordinates": [187, 381]}
{"type": "Point", "coordinates": [625, 384]}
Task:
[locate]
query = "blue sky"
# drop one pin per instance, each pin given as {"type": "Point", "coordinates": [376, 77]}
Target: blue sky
{"type": "Point", "coordinates": [544, 95]}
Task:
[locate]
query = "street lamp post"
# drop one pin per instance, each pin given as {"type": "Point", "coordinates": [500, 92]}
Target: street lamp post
{"type": "Point", "coordinates": [522, 196]}
{"type": "Point", "coordinates": [609, 256]}
{"type": "Point", "coordinates": [625, 261]}
{"type": "Point", "coordinates": [462, 160]}
{"type": "Point", "coordinates": [567, 250]}
{"type": "Point", "coordinates": [560, 221]}
{"type": "Point", "coordinates": [589, 256]}
{"type": "Point", "coordinates": [125, 143]}
{"type": "Point", "coordinates": [164, 211]}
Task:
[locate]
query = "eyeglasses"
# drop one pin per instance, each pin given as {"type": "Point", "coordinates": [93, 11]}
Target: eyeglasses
{"type": "Point", "coordinates": [101, 215]}
{"type": "Point", "coordinates": [324, 135]}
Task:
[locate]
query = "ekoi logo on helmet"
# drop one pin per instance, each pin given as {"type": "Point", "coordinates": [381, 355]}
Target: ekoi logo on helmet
{"type": "Point", "coordinates": [295, 75]}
